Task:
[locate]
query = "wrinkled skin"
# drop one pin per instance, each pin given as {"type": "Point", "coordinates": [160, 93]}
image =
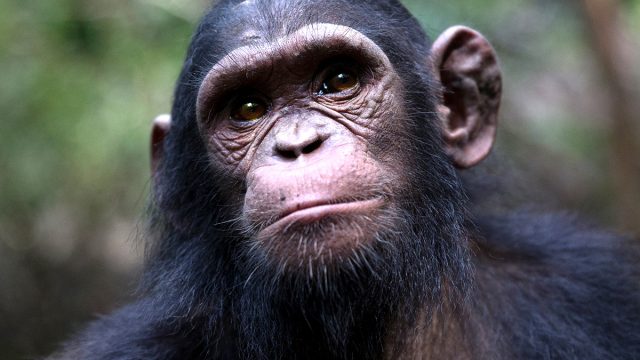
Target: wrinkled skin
{"type": "Point", "coordinates": [312, 159]}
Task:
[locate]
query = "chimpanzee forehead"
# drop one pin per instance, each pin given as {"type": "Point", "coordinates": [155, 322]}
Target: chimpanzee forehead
{"type": "Point", "coordinates": [272, 19]}
{"type": "Point", "coordinates": [250, 21]}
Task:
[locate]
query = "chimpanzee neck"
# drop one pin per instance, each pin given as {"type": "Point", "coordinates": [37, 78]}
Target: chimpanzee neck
{"type": "Point", "coordinates": [322, 328]}
{"type": "Point", "coordinates": [341, 324]}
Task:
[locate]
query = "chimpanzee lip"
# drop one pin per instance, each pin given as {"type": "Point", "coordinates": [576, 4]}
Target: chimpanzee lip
{"type": "Point", "coordinates": [310, 211]}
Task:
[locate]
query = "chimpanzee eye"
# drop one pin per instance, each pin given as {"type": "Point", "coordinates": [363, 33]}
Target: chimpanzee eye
{"type": "Point", "coordinates": [248, 109]}
{"type": "Point", "coordinates": [339, 81]}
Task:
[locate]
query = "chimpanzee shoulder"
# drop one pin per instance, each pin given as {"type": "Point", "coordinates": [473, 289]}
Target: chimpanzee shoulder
{"type": "Point", "coordinates": [141, 331]}
{"type": "Point", "coordinates": [554, 287]}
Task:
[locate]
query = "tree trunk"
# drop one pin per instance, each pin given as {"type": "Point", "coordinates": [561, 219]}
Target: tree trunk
{"type": "Point", "coordinates": [614, 53]}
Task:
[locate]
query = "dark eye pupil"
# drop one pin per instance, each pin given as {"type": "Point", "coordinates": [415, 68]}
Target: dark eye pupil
{"type": "Point", "coordinates": [342, 79]}
{"type": "Point", "coordinates": [251, 108]}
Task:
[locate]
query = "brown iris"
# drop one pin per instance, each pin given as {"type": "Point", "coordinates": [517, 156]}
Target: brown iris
{"type": "Point", "coordinates": [338, 82]}
{"type": "Point", "coordinates": [249, 109]}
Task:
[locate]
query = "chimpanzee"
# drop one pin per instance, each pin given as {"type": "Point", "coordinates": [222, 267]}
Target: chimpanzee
{"type": "Point", "coordinates": [308, 204]}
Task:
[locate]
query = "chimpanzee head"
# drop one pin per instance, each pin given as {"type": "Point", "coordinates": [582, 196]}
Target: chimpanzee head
{"type": "Point", "coordinates": [310, 146]}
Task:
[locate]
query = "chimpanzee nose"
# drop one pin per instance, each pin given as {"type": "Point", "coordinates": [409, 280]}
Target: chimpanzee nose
{"type": "Point", "coordinates": [297, 139]}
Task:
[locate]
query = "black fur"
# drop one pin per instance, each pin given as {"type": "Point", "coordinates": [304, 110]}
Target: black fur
{"type": "Point", "coordinates": [549, 287]}
{"type": "Point", "coordinates": [522, 286]}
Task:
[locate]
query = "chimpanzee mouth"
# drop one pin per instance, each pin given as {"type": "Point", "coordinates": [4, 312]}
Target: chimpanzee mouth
{"type": "Point", "coordinates": [315, 210]}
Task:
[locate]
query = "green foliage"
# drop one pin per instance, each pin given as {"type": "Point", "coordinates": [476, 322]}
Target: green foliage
{"type": "Point", "coordinates": [81, 82]}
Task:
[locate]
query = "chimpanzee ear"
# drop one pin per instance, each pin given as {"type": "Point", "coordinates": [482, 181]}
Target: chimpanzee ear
{"type": "Point", "coordinates": [467, 67]}
{"type": "Point", "coordinates": [161, 126]}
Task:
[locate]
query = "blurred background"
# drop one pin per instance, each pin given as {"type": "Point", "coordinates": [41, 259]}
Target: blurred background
{"type": "Point", "coordinates": [81, 81]}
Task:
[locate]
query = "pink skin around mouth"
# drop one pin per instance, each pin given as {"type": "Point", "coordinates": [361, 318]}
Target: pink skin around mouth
{"type": "Point", "coordinates": [315, 210]}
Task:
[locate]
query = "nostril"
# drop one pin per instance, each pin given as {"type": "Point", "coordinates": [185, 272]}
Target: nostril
{"type": "Point", "coordinates": [287, 154]}
{"type": "Point", "coordinates": [312, 147]}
